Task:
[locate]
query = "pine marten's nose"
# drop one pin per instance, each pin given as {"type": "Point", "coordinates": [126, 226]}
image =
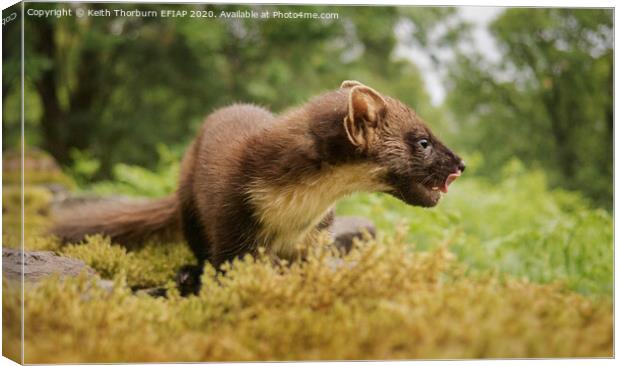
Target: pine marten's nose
{"type": "Point", "coordinates": [461, 166]}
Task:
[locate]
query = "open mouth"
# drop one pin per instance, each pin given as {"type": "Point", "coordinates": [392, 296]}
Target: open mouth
{"type": "Point", "coordinates": [421, 194]}
{"type": "Point", "coordinates": [444, 188]}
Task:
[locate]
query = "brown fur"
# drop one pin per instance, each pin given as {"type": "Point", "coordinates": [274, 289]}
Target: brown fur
{"type": "Point", "coordinates": [127, 223]}
{"type": "Point", "coordinates": [252, 179]}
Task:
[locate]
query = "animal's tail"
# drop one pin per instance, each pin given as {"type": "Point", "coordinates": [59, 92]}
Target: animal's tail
{"type": "Point", "coordinates": [129, 224]}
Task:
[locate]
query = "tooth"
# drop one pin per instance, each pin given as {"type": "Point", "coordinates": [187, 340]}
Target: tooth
{"type": "Point", "coordinates": [435, 188]}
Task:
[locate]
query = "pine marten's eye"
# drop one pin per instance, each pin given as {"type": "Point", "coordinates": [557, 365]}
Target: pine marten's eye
{"type": "Point", "coordinates": [424, 143]}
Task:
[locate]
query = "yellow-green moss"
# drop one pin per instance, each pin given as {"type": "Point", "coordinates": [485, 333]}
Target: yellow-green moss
{"type": "Point", "coordinates": [37, 201]}
{"type": "Point", "coordinates": [148, 266]}
{"type": "Point", "coordinates": [39, 168]}
{"type": "Point", "coordinates": [11, 320]}
{"type": "Point", "coordinates": [382, 301]}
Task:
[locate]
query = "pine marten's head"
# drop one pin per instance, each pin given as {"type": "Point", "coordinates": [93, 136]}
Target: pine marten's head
{"type": "Point", "coordinates": [417, 165]}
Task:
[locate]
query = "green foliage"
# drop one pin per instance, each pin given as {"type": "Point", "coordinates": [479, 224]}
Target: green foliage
{"type": "Point", "coordinates": [84, 166]}
{"type": "Point", "coordinates": [518, 226]}
{"type": "Point", "coordinates": [547, 100]}
{"type": "Point", "coordinates": [133, 180]}
{"type": "Point", "coordinates": [382, 302]}
{"type": "Point", "coordinates": [93, 92]}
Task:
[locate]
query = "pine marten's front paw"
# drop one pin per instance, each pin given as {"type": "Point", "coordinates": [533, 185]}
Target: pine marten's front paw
{"type": "Point", "coordinates": [188, 279]}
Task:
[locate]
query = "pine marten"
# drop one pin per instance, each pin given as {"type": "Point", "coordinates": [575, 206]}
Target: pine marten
{"type": "Point", "coordinates": [252, 179]}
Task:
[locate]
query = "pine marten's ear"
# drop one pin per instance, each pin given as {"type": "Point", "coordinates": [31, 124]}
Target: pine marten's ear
{"type": "Point", "coordinates": [350, 83]}
{"type": "Point", "coordinates": [366, 109]}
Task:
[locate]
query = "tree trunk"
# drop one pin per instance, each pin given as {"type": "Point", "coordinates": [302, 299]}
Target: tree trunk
{"type": "Point", "coordinates": [560, 128]}
{"type": "Point", "coordinates": [52, 124]}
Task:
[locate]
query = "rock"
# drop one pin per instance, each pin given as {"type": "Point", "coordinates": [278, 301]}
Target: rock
{"type": "Point", "coordinates": [346, 228]}
{"type": "Point", "coordinates": [39, 265]}
{"type": "Point", "coordinates": [63, 202]}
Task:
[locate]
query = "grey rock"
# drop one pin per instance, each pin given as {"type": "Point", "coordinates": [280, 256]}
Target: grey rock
{"type": "Point", "coordinates": [39, 265]}
{"type": "Point", "coordinates": [346, 228]}
{"type": "Point", "coordinates": [69, 201]}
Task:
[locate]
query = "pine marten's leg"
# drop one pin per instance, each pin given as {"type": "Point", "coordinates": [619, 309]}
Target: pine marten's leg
{"type": "Point", "coordinates": [188, 277]}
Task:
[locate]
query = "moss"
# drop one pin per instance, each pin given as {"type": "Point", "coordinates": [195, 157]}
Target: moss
{"type": "Point", "coordinates": [11, 320]}
{"type": "Point", "coordinates": [149, 266]}
{"type": "Point", "coordinates": [37, 201]}
{"type": "Point", "coordinates": [382, 301]}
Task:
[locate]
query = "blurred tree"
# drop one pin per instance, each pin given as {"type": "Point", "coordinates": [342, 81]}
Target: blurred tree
{"type": "Point", "coordinates": [112, 88]}
{"type": "Point", "coordinates": [547, 101]}
{"type": "Point", "coordinates": [99, 87]}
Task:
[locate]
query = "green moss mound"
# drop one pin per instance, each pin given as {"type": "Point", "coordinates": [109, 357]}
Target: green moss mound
{"type": "Point", "coordinates": [382, 301]}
